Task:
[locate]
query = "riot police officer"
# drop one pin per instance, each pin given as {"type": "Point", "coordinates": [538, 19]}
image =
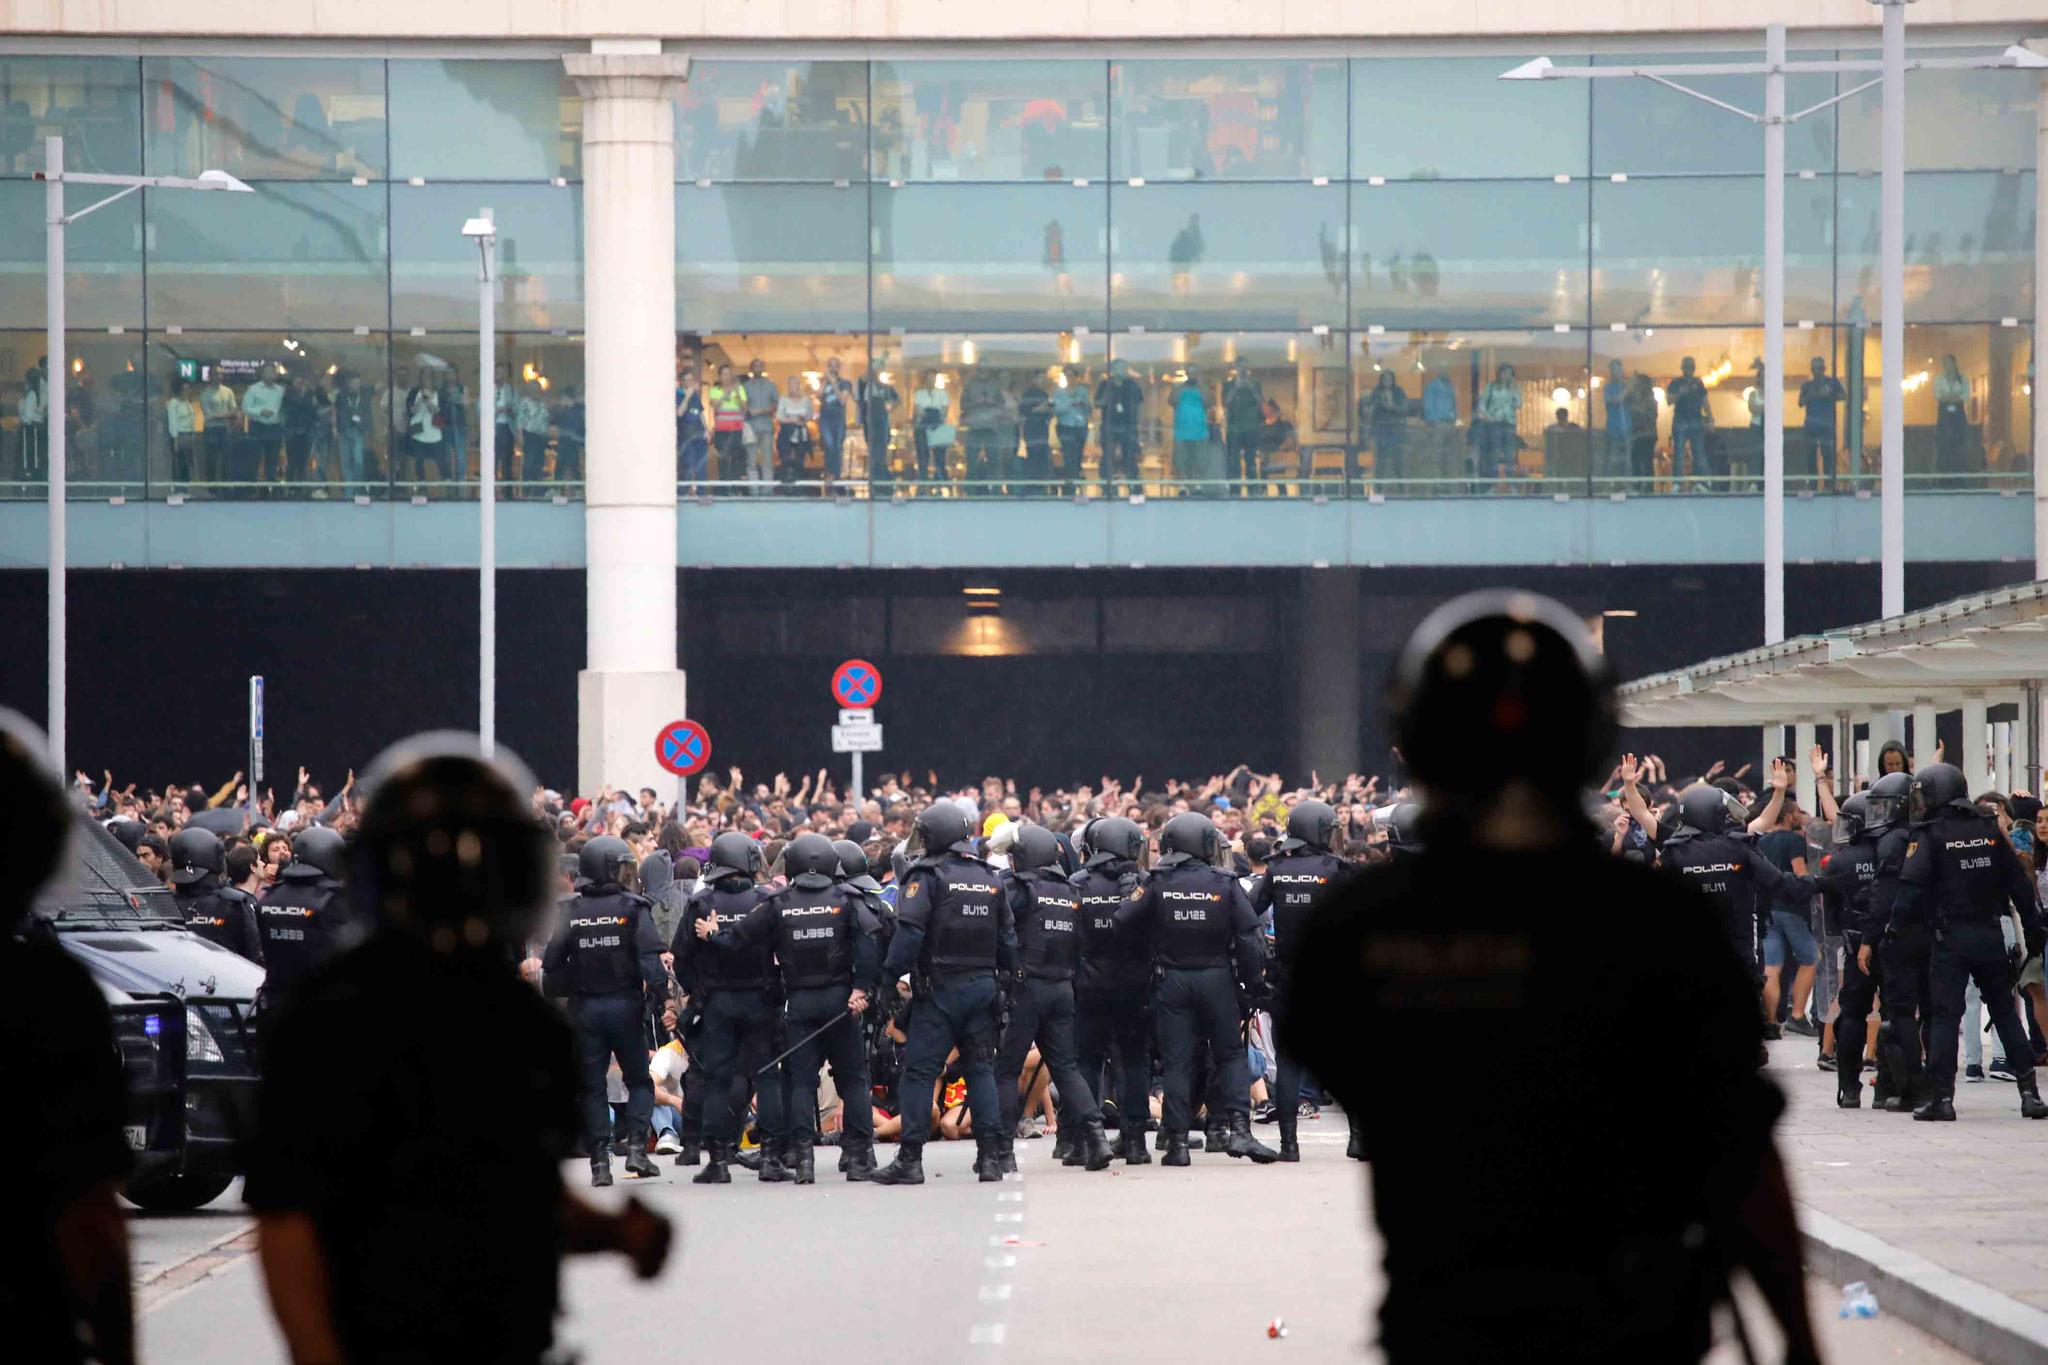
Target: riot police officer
{"type": "Point", "coordinates": [1962, 870]}
{"type": "Point", "coordinates": [1404, 830]}
{"type": "Point", "coordinates": [823, 936]}
{"type": "Point", "coordinates": [606, 959]}
{"type": "Point", "coordinates": [1198, 920]}
{"type": "Point", "coordinates": [1047, 912]}
{"type": "Point", "coordinates": [731, 1023]}
{"type": "Point", "coordinates": [302, 917]}
{"type": "Point", "coordinates": [1113, 983]}
{"type": "Point", "coordinates": [1895, 948]}
{"type": "Point", "coordinates": [207, 907]}
{"type": "Point", "coordinates": [1302, 868]}
{"type": "Point", "coordinates": [953, 926]}
{"type": "Point", "coordinates": [1707, 853]}
{"type": "Point", "coordinates": [1847, 874]}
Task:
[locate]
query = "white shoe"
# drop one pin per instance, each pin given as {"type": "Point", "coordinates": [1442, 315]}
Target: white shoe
{"type": "Point", "coordinates": [668, 1144]}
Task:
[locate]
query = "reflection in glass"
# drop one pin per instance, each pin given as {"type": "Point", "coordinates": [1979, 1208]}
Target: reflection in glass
{"type": "Point", "coordinates": [1243, 256]}
{"type": "Point", "coordinates": [537, 437]}
{"type": "Point", "coordinates": [1643, 128]}
{"type": "Point", "coordinates": [104, 394]}
{"type": "Point", "coordinates": [102, 258]}
{"type": "Point", "coordinates": [1494, 255]}
{"type": "Point", "coordinates": [540, 255]}
{"type": "Point", "coordinates": [812, 408]}
{"type": "Point", "coordinates": [262, 118]}
{"type": "Point", "coordinates": [1955, 121]}
{"type": "Point", "coordinates": [771, 256]}
{"type": "Point", "coordinates": [999, 255]}
{"type": "Point", "coordinates": [1969, 245]}
{"type": "Point", "coordinates": [1209, 120]}
{"type": "Point", "coordinates": [1275, 407]}
{"type": "Point", "coordinates": [1691, 251]}
{"type": "Point", "coordinates": [772, 121]}
{"type": "Point", "coordinates": [288, 255]}
{"type": "Point", "coordinates": [989, 120]}
{"type": "Point", "coordinates": [1475, 125]}
{"type": "Point", "coordinates": [1968, 402]}
{"type": "Point", "coordinates": [93, 103]}
{"type": "Point", "coordinates": [484, 120]}
{"type": "Point", "coordinates": [999, 413]}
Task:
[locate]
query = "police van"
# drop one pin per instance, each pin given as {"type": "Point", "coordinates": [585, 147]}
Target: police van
{"type": "Point", "coordinates": [183, 1019]}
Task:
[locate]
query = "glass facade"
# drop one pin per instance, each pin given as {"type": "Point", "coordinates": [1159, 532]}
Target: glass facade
{"type": "Point", "coordinates": [1201, 274]}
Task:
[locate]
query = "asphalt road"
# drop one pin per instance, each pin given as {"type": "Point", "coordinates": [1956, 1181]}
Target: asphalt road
{"type": "Point", "coordinates": [1056, 1265]}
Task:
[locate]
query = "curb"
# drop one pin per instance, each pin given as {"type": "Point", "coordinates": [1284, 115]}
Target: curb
{"type": "Point", "coordinates": [1980, 1322]}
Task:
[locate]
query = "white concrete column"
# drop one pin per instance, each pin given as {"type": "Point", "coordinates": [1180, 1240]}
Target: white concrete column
{"type": "Point", "coordinates": [2039, 372]}
{"type": "Point", "coordinates": [630, 685]}
{"type": "Point", "coordinates": [1802, 745]}
{"type": "Point", "coordinates": [2001, 756]}
{"type": "Point", "coordinates": [1922, 747]}
{"type": "Point", "coordinates": [1973, 759]}
{"type": "Point", "coordinates": [1884, 727]}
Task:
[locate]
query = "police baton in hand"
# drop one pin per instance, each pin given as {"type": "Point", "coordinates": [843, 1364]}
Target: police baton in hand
{"type": "Point", "coordinates": [801, 1041]}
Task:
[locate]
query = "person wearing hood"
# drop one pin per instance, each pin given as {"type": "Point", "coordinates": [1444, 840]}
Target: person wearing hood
{"type": "Point", "coordinates": [1303, 868]}
{"type": "Point", "coordinates": [670, 898]}
{"type": "Point", "coordinates": [217, 913]}
{"type": "Point", "coordinates": [1113, 978]}
{"type": "Point", "coordinates": [304, 913]}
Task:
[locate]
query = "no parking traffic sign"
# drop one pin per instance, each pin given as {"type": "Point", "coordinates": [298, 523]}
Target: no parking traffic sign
{"type": "Point", "coordinates": [683, 747]}
{"type": "Point", "coordinates": [856, 685]}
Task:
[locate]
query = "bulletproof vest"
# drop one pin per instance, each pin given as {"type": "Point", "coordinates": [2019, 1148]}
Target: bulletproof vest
{"type": "Point", "coordinates": [1049, 928]}
{"type": "Point", "coordinates": [1191, 916]}
{"type": "Point", "coordinates": [1846, 876]}
{"type": "Point", "coordinates": [1970, 877]}
{"type": "Point", "coordinates": [1716, 866]}
{"type": "Point", "coordinates": [961, 928]}
{"type": "Point", "coordinates": [1884, 887]}
{"type": "Point", "coordinates": [220, 916]}
{"type": "Point", "coordinates": [713, 968]}
{"type": "Point", "coordinates": [301, 922]}
{"type": "Point", "coordinates": [604, 957]}
{"type": "Point", "coordinates": [1292, 883]}
{"type": "Point", "coordinates": [1107, 963]}
{"type": "Point", "coordinates": [814, 929]}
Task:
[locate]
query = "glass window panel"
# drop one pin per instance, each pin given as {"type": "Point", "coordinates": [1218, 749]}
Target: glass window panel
{"type": "Point", "coordinates": [1691, 251]}
{"type": "Point", "coordinates": [1637, 422]}
{"type": "Point", "coordinates": [990, 120]}
{"type": "Point", "coordinates": [1000, 255]}
{"type": "Point", "coordinates": [540, 255]}
{"type": "Point", "coordinates": [771, 256]}
{"type": "Point", "coordinates": [102, 258]}
{"type": "Point", "coordinates": [266, 118]}
{"type": "Point", "coordinates": [1955, 121]}
{"type": "Point", "coordinates": [1427, 118]}
{"type": "Point", "coordinates": [1967, 426]}
{"type": "Point", "coordinates": [284, 256]}
{"type": "Point", "coordinates": [772, 121]}
{"type": "Point", "coordinates": [1244, 256]}
{"type": "Point", "coordinates": [105, 396]}
{"type": "Point", "coordinates": [1969, 246]}
{"type": "Point", "coordinates": [1283, 397]}
{"type": "Point", "coordinates": [1477, 406]}
{"type": "Point", "coordinates": [1210, 120]}
{"type": "Point", "coordinates": [93, 103]}
{"type": "Point", "coordinates": [1509, 254]}
{"type": "Point", "coordinates": [1643, 128]}
{"type": "Point", "coordinates": [988, 408]}
{"type": "Point", "coordinates": [485, 120]}
{"type": "Point", "coordinates": [315, 426]}
{"type": "Point", "coordinates": [810, 364]}
{"type": "Point", "coordinates": [430, 414]}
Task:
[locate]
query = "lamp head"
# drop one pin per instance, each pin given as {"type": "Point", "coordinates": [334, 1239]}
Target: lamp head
{"type": "Point", "coordinates": [221, 180]}
{"type": "Point", "coordinates": [1536, 70]}
{"type": "Point", "coordinates": [480, 228]}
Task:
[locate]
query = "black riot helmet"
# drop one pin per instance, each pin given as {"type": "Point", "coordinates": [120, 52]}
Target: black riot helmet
{"type": "Point", "coordinates": [195, 856]}
{"type": "Point", "coordinates": [1937, 785]}
{"type": "Point", "coordinates": [939, 827]}
{"type": "Point", "coordinates": [1083, 850]}
{"type": "Point", "coordinates": [128, 833]}
{"type": "Point", "coordinates": [36, 816]}
{"type": "Point", "coordinates": [1703, 809]}
{"type": "Point", "coordinates": [1311, 824]}
{"type": "Point", "coordinates": [734, 855]}
{"type": "Point", "coordinates": [1886, 802]}
{"type": "Point", "coordinates": [1500, 687]}
{"type": "Point", "coordinates": [1404, 827]}
{"type": "Point", "coordinates": [1035, 848]}
{"type": "Point", "coordinates": [1115, 838]}
{"type": "Point", "coordinates": [853, 859]}
{"type": "Point", "coordinates": [448, 848]}
{"type": "Point", "coordinates": [601, 859]}
{"type": "Point", "coordinates": [812, 853]}
{"type": "Point", "coordinates": [322, 848]}
{"type": "Point", "coordinates": [1192, 837]}
{"type": "Point", "coordinates": [1849, 817]}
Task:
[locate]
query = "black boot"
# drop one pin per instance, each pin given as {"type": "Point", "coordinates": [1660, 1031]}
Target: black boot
{"type": "Point", "coordinates": [906, 1169]}
{"type": "Point", "coordinates": [639, 1165]}
{"type": "Point", "coordinates": [600, 1168]}
{"type": "Point", "coordinates": [1848, 1094]}
{"type": "Point", "coordinates": [691, 1152]}
{"type": "Point", "coordinates": [744, 1159]}
{"type": "Point", "coordinates": [774, 1169]}
{"type": "Point", "coordinates": [1006, 1155]}
{"type": "Point", "coordinates": [1093, 1146]}
{"type": "Point", "coordinates": [1940, 1108]}
{"type": "Point", "coordinates": [860, 1159]}
{"type": "Point", "coordinates": [716, 1170]}
{"type": "Point", "coordinates": [988, 1159]}
{"type": "Point", "coordinates": [2030, 1098]}
{"type": "Point", "coordinates": [1290, 1135]}
{"type": "Point", "coordinates": [1063, 1146]}
{"type": "Point", "coordinates": [803, 1164]}
{"type": "Point", "coordinates": [1176, 1149]}
{"type": "Point", "coordinates": [1214, 1137]}
{"type": "Point", "coordinates": [1355, 1147]}
{"type": "Point", "coordinates": [1240, 1142]}
{"type": "Point", "coordinates": [1135, 1153]}
{"type": "Point", "coordinates": [1159, 1141]}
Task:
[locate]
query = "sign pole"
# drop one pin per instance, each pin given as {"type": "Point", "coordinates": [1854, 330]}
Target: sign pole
{"type": "Point", "coordinates": [856, 783]}
{"type": "Point", "coordinates": [255, 743]}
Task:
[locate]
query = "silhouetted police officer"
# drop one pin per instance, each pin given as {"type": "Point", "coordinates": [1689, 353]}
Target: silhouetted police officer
{"type": "Point", "coordinates": [1708, 853]}
{"type": "Point", "coordinates": [732, 1022]}
{"type": "Point", "coordinates": [824, 942]}
{"type": "Point", "coordinates": [1538, 1216]}
{"type": "Point", "coordinates": [303, 915]}
{"type": "Point", "coordinates": [1113, 983]}
{"type": "Point", "coordinates": [1047, 911]}
{"type": "Point", "coordinates": [1302, 869]}
{"type": "Point", "coordinates": [217, 917]}
{"type": "Point", "coordinates": [953, 927]}
{"type": "Point", "coordinates": [1404, 830]}
{"type": "Point", "coordinates": [1199, 922]}
{"type": "Point", "coordinates": [605, 959]}
{"type": "Point", "coordinates": [1847, 874]}
{"type": "Point", "coordinates": [1897, 947]}
{"type": "Point", "coordinates": [1962, 870]}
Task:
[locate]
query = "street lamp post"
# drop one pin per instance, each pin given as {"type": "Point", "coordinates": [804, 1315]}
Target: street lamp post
{"type": "Point", "coordinates": [483, 230]}
{"type": "Point", "coordinates": [54, 177]}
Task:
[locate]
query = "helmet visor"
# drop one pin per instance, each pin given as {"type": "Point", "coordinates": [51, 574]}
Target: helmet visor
{"type": "Point", "coordinates": [1847, 827]}
{"type": "Point", "coordinates": [1879, 811]}
{"type": "Point", "coordinates": [1918, 804]}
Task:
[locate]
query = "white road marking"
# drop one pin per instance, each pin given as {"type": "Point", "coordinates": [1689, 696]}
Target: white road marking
{"type": "Point", "coordinates": [987, 1334]}
{"type": "Point", "coordinates": [994, 1293]}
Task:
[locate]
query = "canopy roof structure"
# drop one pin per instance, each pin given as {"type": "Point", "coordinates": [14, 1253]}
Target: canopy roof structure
{"type": "Point", "coordinates": [1988, 646]}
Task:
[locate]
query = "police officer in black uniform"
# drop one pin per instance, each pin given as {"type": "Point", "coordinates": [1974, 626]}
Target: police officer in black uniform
{"type": "Point", "coordinates": [1961, 869]}
{"type": "Point", "coordinates": [731, 1024]}
{"type": "Point", "coordinates": [1895, 949]}
{"type": "Point", "coordinates": [1113, 984]}
{"type": "Point", "coordinates": [1302, 869]}
{"type": "Point", "coordinates": [1404, 830]}
{"type": "Point", "coordinates": [823, 937]}
{"type": "Point", "coordinates": [953, 926]}
{"type": "Point", "coordinates": [218, 914]}
{"type": "Point", "coordinates": [1709, 853]}
{"type": "Point", "coordinates": [606, 959]}
{"type": "Point", "coordinates": [1047, 911]}
{"type": "Point", "coordinates": [303, 915]}
{"type": "Point", "coordinates": [1846, 876]}
{"type": "Point", "coordinates": [1198, 920]}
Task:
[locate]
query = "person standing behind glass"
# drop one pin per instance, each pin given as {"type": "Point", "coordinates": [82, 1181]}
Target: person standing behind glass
{"type": "Point", "coordinates": [1034, 419]}
{"type": "Point", "coordinates": [351, 427]}
{"type": "Point", "coordinates": [454, 400]}
{"type": "Point", "coordinates": [1614, 401]}
{"type": "Point", "coordinates": [833, 396]}
{"type": "Point", "coordinates": [728, 404]}
{"type": "Point", "coordinates": [930, 406]}
{"type": "Point", "coordinates": [35, 426]}
{"type": "Point", "coordinates": [792, 431]}
{"type": "Point", "coordinates": [1642, 428]}
{"type": "Point", "coordinates": [569, 422]}
{"type": "Point", "coordinates": [1384, 412]}
{"type": "Point", "coordinates": [1951, 419]}
{"type": "Point", "coordinates": [219, 411]}
{"type": "Point", "coordinates": [504, 411]}
{"type": "Point", "coordinates": [423, 422]}
{"type": "Point", "coordinates": [1244, 411]}
{"type": "Point", "coordinates": [1121, 402]}
{"type": "Point", "coordinates": [299, 413]}
{"type": "Point", "coordinates": [878, 399]}
{"type": "Point", "coordinates": [263, 409]}
{"type": "Point", "coordinates": [692, 443]}
{"type": "Point", "coordinates": [1440, 401]}
{"type": "Point", "coordinates": [762, 396]}
{"type": "Point", "coordinates": [1687, 395]}
{"type": "Point", "coordinates": [981, 419]}
{"type": "Point", "coordinates": [1500, 406]}
{"type": "Point", "coordinates": [533, 433]}
{"type": "Point", "coordinates": [1191, 443]}
{"type": "Point", "coordinates": [1070, 409]}
{"type": "Point", "coordinates": [1817, 399]}
{"type": "Point", "coordinates": [181, 417]}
